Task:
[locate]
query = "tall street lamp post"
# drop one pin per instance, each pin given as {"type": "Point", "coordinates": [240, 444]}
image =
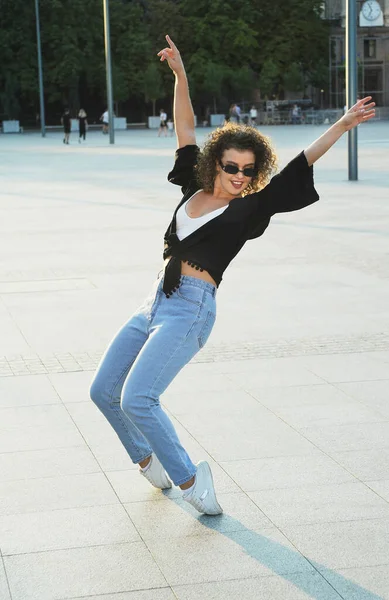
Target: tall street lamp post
{"type": "Point", "coordinates": [351, 84]}
{"type": "Point", "coordinates": [41, 96]}
{"type": "Point", "coordinates": [109, 72]}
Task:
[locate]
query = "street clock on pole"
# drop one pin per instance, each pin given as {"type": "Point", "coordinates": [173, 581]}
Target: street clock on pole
{"type": "Point", "coordinates": [371, 14]}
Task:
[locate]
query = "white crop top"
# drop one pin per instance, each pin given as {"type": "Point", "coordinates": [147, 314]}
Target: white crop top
{"type": "Point", "coordinates": [185, 225]}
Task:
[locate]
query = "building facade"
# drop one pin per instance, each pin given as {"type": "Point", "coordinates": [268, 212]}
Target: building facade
{"type": "Point", "coordinates": [372, 50]}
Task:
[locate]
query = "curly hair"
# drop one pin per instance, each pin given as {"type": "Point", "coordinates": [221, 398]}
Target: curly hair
{"type": "Point", "coordinates": [238, 137]}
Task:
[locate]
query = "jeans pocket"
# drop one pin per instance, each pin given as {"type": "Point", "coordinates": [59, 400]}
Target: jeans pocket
{"type": "Point", "coordinates": [206, 329]}
{"type": "Point", "coordinates": [191, 294]}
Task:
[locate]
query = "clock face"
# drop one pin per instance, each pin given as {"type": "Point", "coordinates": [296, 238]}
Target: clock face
{"type": "Point", "coordinates": [371, 10]}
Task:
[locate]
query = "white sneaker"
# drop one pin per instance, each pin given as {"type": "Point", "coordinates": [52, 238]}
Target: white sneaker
{"type": "Point", "coordinates": [202, 496]}
{"type": "Point", "coordinates": [155, 474]}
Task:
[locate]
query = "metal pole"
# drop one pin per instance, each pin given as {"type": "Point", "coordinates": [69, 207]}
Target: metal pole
{"type": "Point", "coordinates": [41, 96]}
{"type": "Point", "coordinates": [109, 72]}
{"type": "Point", "coordinates": [351, 84]}
{"type": "Point", "coordinates": [330, 71]}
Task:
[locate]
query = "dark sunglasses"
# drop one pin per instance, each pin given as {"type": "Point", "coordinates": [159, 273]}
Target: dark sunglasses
{"type": "Point", "coordinates": [233, 170]}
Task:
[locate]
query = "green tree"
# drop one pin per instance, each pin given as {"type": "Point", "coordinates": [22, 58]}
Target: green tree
{"type": "Point", "coordinates": [269, 78]}
{"type": "Point", "coordinates": [293, 79]}
{"type": "Point", "coordinates": [18, 69]}
{"type": "Point", "coordinates": [153, 85]}
{"type": "Point", "coordinates": [214, 75]}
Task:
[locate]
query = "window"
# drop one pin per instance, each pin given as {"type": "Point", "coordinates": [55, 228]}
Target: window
{"type": "Point", "coordinates": [370, 48]}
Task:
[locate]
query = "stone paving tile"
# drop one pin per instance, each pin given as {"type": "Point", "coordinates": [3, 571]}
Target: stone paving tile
{"type": "Point", "coordinates": [298, 396]}
{"type": "Point", "coordinates": [130, 486]}
{"type": "Point", "coordinates": [320, 504]}
{"type": "Point", "coordinates": [4, 589]}
{"type": "Point", "coordinates": [47, 463]}
{"type": "Point", "coordinates": [39, 437]}
{"type": "Point", "coordinates": [174, 518]}
{"type": "Point", "coordinates": [328, 414]}
{"type": "Point", "coordinates": [31, 390]}
{"type": "Point", "coordinates": [85, 412]}
{"type": "Point", "coordinates": [69, 528]}
{"type": "Point", "coordinates": [372, 393]}
{"type": "Point", "coordinates": [72, 387]}
{"type": "Point", "coordinates": [340, 438]}
{"type": "Point", "coordinates": [342, 545]}
{"type": "Point", "coordinates": [195, 401]}
{"type": "Point", "coordinates": [229, 555]}
{"type": "Point", "coordinates": [195, 379]}
{"type": "Point", "coordinates": [295, 586]}
{"type": "Point", "coordinates": [112, 457]}
{"type": "Point", "coordinates": [366, 583]}
{"type": "Point", "coordinates": [365, 464]}
{"type": "Point", "coordinates": [347, 367]}
{"type": "Point", "coordinates": [81, 571]}
{"type": "Point", "coordinates": [286, 472]}
{"type": "Point", "coordinates": [253, 435]}
{"type": "Point", "coordinates": [380, 487]}
{"type": "Point", "coordinates": [24, 417]}
{"type": "Point", "coordinates": [96, 432]}
{"type": "Point", "coordinates": [268, 373]}
{"type": "Point", "coordinates": [51, 493]}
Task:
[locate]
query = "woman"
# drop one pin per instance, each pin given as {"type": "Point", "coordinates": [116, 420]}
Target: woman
{"type": "Point", "coordinates": [82, 125]}
{"type": "Point", "coordinates": [162, 123]}
{"type": "Point", "coordinates": [226, 202]}
{"type": "Point", "coordinates": [67, 125]}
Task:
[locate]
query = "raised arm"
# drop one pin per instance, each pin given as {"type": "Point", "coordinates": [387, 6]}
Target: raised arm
{"type": "Point", "coordinates": [183, 112]}
{"type": "Point", "coordinates": [361, 112]}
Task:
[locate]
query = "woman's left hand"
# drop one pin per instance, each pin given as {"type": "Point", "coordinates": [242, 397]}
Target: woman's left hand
{"type": "Point", "coordinates": [361, 112]}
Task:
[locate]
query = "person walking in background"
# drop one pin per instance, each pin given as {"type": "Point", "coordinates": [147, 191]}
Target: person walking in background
{"type": "Point", "coordinates": [238, 113]}
{"type": "Point", "coordinates": [105, 119]}
{"type": "Point", "coordinates": [295, 115]}
{"type": "Point", "coordinates": [253, 116]}
{"type": "Point", "coordinates": [82, 125]}
{"type": "Point", "coordinates": [163, 123]}
{"type": "Point", "coordinates": [232, 114]}
{"type": "Point", "coordinates": [67, 125]}
{"type": "Point", "coordinates": [229, 195]}
{"type": "Point", "coordinates": [170, 126]}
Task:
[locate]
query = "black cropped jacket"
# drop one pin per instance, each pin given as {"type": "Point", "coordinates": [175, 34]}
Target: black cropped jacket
{"type": "Point", "coordinates": [213, 246]}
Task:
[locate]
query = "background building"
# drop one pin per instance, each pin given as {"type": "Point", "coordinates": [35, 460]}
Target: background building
{"type": "Point", "coordinates": [373, 50]}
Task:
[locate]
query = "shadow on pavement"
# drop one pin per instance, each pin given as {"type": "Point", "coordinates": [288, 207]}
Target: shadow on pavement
{"type": "Point", "coordinates": [280, 559]}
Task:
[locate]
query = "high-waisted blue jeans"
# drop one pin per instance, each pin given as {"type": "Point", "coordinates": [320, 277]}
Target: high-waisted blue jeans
{"type": "Point", "coordinates": [141, 361]}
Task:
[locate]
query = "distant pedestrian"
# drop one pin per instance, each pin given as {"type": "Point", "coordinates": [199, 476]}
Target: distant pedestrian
{"type": "Point", "coordinates": [238, 113]}
{"type": "Point", "coordinates": [67, 125]}
{"type": "Point", "coordinates": [105, 119]}
{"type": "Point", "coordinates": [170, 126]}
{"type": "Point", "coordinates": [82, 125]}
{"type": "Point", "coordinates": [296, 118]}
{"type": "Point", "coordinates": [253, 116]}
{"type": "Point", "coordinates": [162, 123]}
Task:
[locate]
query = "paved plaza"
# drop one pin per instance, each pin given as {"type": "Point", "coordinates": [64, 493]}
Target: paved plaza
{"type": "Point", "coordinates": [289, 400]}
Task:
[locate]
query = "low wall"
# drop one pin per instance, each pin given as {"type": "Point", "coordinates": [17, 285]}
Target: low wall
{"type": "Point", "coordinates": [10, 127]}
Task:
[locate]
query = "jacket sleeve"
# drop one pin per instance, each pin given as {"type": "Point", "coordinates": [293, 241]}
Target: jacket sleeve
{"type": "Point", "coordinates": [183, 172]}
{"type": "Point", "coordinates": [291, 189]}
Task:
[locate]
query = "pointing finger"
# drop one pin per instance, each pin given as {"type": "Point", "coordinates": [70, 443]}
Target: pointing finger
{"type": "Point", "coordinates": [171, 43]}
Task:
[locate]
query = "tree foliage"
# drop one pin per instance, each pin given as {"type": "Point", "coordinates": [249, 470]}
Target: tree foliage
{"type": "Point", "coordinates": [230, 49]}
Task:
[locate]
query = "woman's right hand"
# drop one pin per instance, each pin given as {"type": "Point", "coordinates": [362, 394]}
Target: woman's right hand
{"type": "Point", "coordinates": [173, 57]}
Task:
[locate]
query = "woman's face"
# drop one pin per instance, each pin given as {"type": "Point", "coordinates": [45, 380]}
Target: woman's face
{"type": "Point", "coordinates": [234, 185]}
